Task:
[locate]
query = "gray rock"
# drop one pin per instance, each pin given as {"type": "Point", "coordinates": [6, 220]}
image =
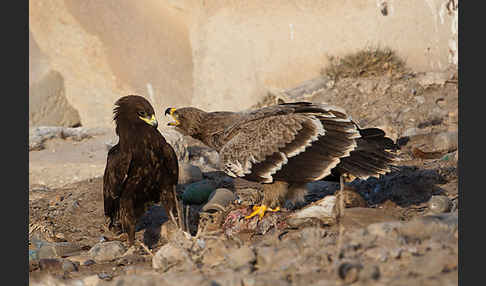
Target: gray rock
{"type": "Point", "coordinates": [38, 135]}
{"type": "Point", "coordinates": [69, 266]}
{"type": "Point", "coordinates": [219, 199]}
{"type": "Point", "coordinates": [189, 173]}
{"type": "Point", "coordinates": [48, 104]}
{"type": "Point", "coordinates": [241, 257]}
{"type": "Point", "coordinates": [169, 256]}
{"type": "Point", "coordinates": [106, 251]}
{"type": "Point", "coordinates": [377, 253]}
{"type": "Point", "coordinates": [439, 204]}
{"type": "Point", "coordinates": [46, 249]}
{"type": "Point", "coordinates": [323, 209]}
{"type": "Point", "coordinates": [349, 272]}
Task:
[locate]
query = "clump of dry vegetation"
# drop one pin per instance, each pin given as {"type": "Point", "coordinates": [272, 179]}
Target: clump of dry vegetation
{"type": "Point", "coordinates": [365, 63]}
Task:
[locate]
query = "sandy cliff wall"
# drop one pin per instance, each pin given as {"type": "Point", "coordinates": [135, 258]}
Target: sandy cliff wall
{"type": "Point", "coordinates": [219, 54]}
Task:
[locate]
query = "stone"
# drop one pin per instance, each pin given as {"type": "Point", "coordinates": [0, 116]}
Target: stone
{"type": "Point", "coordinates": [323, 209]}
{"type": "Point", "coordinates": [169, 256]}
{"type": "Point", "coordinates": [189, 173]}
{"type": "Point", "coordinates": [69, 266]}
{"type": "Point", "coordinates": [38, 135]}
{"type": "Point", "coordinates": [439, 204]}
{"type": "Point", "coordinates": [349, 272]}
{"type": "Point", "coordinates": [56, 249]}
{"type": "Point", "coordinates": [241, 257]}
{"type": "Point", "coordinates": [48, 104]}
{"type": "Point", "coordinates": [218, 200]}
{"type": "Point", "coordinates": [106, 251]}
{"type": "Point", "coordinates": [57, 264]}
{"type": "Point", "coordinates": [377, 253]}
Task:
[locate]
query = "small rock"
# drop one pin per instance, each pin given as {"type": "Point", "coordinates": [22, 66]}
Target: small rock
{"type": "Point", "coordinates": [439, 204]}
{"type": "Point", "coordinates": [89, 262]}
{"type": "Point", "coordinates": [69, 266]}
{"type": "Point", "coordinates": [57, 249]}
{"type": "Point", "coordinates": [215, 254]}
{"type": "Point", "coordinates": [369, 272]}
{"type": "Point", "coordinates": [106, 251]}
{"type": "Point", "coordinates": [396, 252]}
{"type": "Point", "coordinates": [169, 256]}
{"type": "Point", "coordinates": [189, 173]}
{"type": "Point", "coordinates": [105, 276]}
{"type": "Point", "coordinates": [219, 199]}
{"type": "Point", "coordinates": [323, 209]}
{"type": "Point", "coordinates": [349, 272]}
{"type": "Point", "coordinates": [420, 99]}
{"type": "Point", "coordinates": [33, 255]}
{"type": "Point", "coordinates": [377, 253]}
{"type": "Point", "coordinates": [50, 264]}
{"type": "Point", "coordinates": [241, 257]}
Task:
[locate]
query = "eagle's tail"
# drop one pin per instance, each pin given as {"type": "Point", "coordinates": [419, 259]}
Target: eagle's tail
{"type": "Point", "coordinates": [374, 155]}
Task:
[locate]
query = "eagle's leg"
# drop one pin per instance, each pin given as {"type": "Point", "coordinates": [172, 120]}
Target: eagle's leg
{"type": "Point", "coordinates": [273, 197]}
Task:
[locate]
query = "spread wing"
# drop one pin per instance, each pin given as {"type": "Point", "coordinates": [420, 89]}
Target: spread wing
{"type": "Point", "coordinates": [298, 142]}
{"type": "Point", "coordinates": [116, 172]}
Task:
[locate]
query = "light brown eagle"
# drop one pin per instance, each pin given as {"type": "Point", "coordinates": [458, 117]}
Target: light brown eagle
{"type": "Point", "coordinates": [287, 145]}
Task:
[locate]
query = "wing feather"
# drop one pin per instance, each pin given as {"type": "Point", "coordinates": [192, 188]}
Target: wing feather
{"type": "Point", "coordinates": [116, 172]}
{"type": "Point", "coordinates": [295, 142]}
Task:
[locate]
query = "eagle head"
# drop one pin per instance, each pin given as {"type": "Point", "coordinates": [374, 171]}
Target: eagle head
{"type": "Point", "coordinates": [187, 120]}
{"type": "Point", "coordinates": [134, 111]}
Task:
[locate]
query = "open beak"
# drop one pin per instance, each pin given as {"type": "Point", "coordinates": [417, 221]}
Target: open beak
{"type": "Point", "coordinates": [150, 120]}
{"type": "Point", "coordinates": [170, 111]}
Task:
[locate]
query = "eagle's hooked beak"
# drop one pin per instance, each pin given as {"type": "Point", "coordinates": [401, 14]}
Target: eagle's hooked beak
{"type": "Point", "coordinates": [150, 120]}
{"type": "Point", "coordinates": [170, 111]}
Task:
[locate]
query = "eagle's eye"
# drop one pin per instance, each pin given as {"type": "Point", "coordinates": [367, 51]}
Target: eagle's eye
{"type": "Point", "coordinates": [142, 113]}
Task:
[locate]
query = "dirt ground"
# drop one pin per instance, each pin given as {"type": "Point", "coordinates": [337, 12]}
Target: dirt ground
{"type": "Point", "coordinates": [398, 236]}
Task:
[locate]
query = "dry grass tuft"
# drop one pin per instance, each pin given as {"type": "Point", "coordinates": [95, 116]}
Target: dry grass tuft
{"type": "Point", "coordinates": [365, 63]}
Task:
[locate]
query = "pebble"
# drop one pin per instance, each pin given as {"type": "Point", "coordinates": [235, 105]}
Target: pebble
{"type": "Point", "coordinates": [56, 249]}
{"type": "Point", "coordinates": [89, 262]}
{"type": "Point", "coordinates": [33, 255]}
{"type": "Point", "coordinates": [439, 204]}
{"type": "Point", "coordinates": [218, 200]}
{"type": "Point", "coordinates": [168, 256]}
{"type": "Point", "coordinates": [106, 251]}
{"type": "Point", "coordinates": [241, 256]}
{"type": "Point", "coordinates": [69, 266]}
{"type": "Point", "coordinates": [189, 173]}
{"type": "Point", "coordinates": [105, 276]}
{"type": "Point", "coordinates": [56, 264]}
{"type": "Point", "coordinates": [349, 272]}
{"type": "Point", "coordinates": [377, 253]}
{"type": "Point", "coordinates": [322, 209]}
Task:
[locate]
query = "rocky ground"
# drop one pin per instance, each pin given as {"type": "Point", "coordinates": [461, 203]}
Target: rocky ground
{"type": "Point", "coordinates": [400, 229]}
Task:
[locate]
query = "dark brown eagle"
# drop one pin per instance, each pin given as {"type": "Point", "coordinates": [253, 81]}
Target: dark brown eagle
{"type": "Point", "coordinates": [141, 169]}
{"type": "Point", "coordinates": [287, 145]}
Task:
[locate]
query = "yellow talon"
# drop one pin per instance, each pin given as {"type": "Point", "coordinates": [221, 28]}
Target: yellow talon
{"type": "Point", "coordinates": [260, 211]}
